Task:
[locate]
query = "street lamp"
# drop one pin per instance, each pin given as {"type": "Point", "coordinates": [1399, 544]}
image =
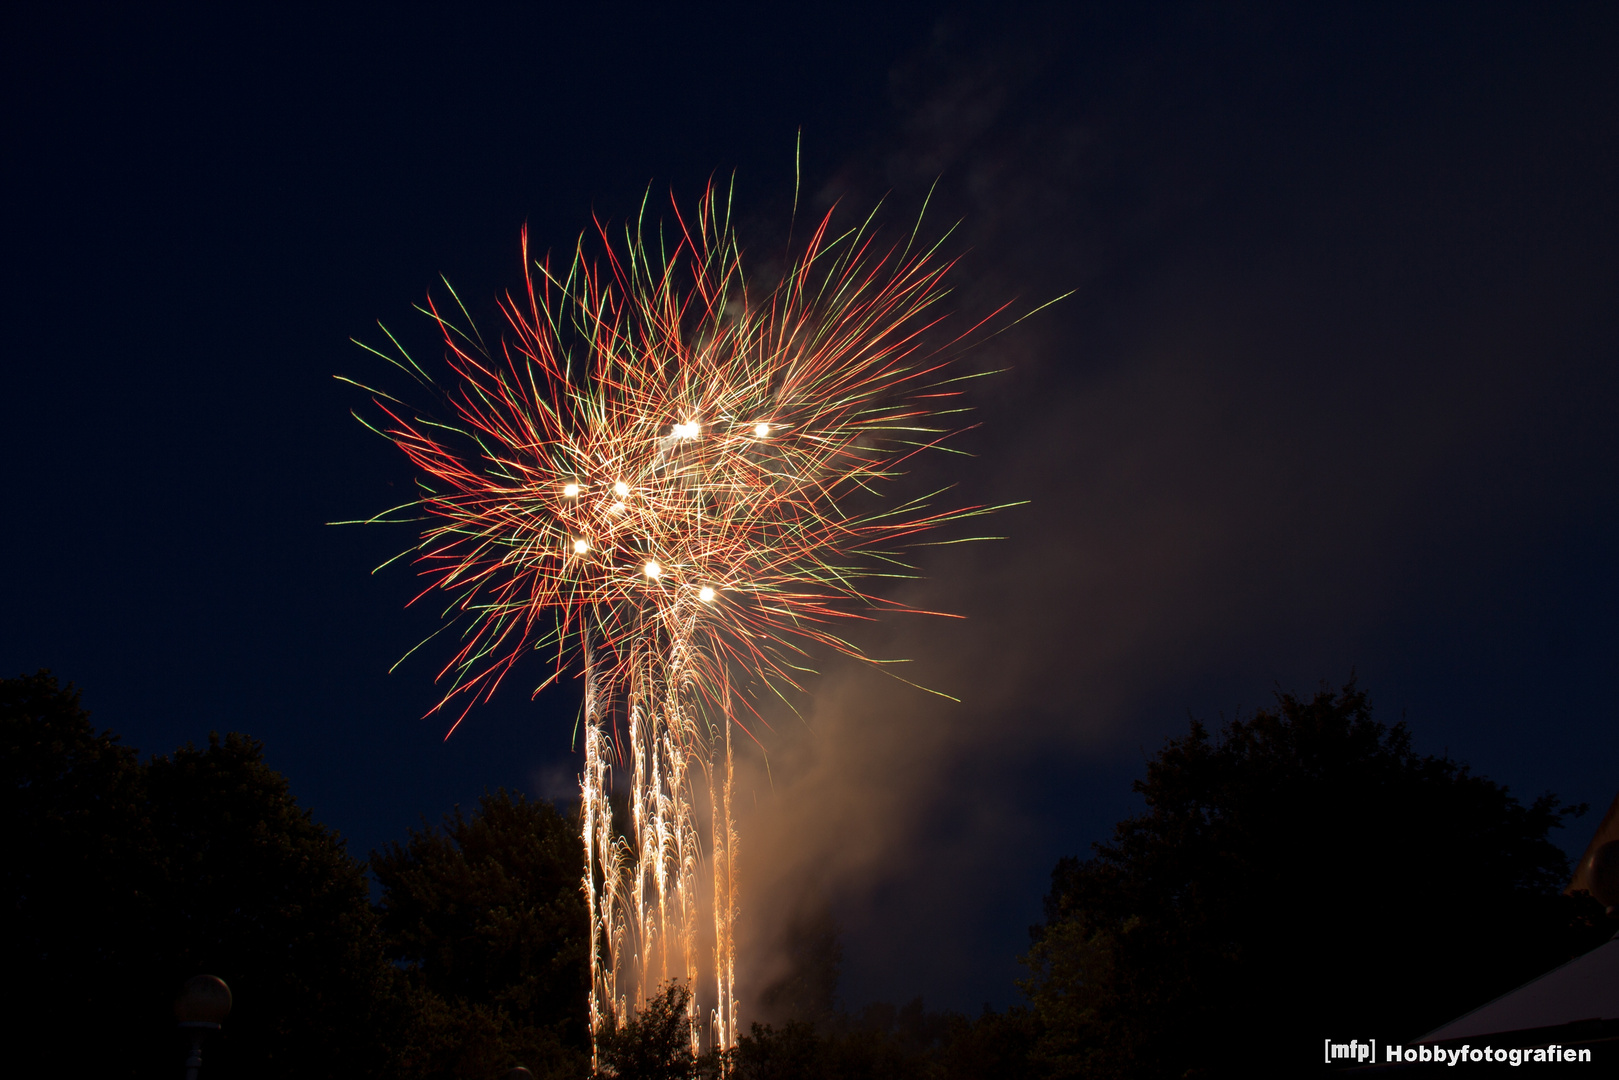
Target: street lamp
{"type": "Point", "coordinates": [202, 1003]}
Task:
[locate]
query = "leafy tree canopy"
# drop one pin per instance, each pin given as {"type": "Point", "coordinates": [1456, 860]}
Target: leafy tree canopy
{"type": "Point", "coordinates": [121, 879]}
{"type": "Point", "coordinates": [656, 1043]}
{"type": "Point", "coordinates": [487, 915]}
{"type": "Point", "coordinates": [1304, 872]}
{"type": "Point", "coordinates": [883, 1042]}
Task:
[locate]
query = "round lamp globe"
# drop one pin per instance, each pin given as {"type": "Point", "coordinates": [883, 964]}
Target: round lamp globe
{"type": "Point", "coordinates": [204, 999]}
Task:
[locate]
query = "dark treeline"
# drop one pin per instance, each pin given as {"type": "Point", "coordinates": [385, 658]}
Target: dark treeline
{"type": "Point", "coordinates": [124, 877]}
{"type": "Point", "coordinates": [1296, 872]}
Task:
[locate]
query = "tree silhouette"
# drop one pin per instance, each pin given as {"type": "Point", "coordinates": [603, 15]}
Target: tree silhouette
{"type": "Point", "coordinates": [1305, 873]}
{"type": "Point", "coordinates": [123, 878]}
{"type": "Point", "coordinates": [807, 990]}
{"type": "Point", "coordinates": [655, 1044]}
{"type": "Point", "coordinates": [487, 917]}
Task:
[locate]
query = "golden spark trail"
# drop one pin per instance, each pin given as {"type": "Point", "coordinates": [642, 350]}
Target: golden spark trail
{"type": "Point", "coordinates": [677, 482]}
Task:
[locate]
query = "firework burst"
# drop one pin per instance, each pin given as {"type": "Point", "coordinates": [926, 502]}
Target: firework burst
{"type": "Point", "coordinates": [677, 484]}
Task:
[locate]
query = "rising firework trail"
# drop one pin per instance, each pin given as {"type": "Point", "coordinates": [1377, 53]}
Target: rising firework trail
{"type": "Point", "coordinates": [675, 483]}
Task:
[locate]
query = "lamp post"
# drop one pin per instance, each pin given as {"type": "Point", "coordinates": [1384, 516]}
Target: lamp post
{"type": "Point", "coordinates": [203, 1002]}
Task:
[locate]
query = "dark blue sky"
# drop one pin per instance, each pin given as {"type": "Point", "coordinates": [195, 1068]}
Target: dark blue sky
{"type": "Point", "coordinates": [1335, 391]}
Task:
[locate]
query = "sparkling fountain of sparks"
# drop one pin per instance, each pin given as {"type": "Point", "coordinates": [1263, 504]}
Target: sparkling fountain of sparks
{"type": "Point", "coordinates": [672, 480]}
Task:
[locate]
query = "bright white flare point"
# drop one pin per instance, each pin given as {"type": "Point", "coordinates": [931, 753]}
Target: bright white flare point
{"type": "Point", "coordinates": [616, 508]}
{"type": "Point", "coordinates": [653, 569]}
{"type": "Point", "coordinates": [687, 430]}
{"type": "Point", "coordinates": [581, 546]}
{"type": "Point", "coordinates": [621, 489]}
{"type": "Point", "coordinates": [761, 431]}
{"type": "Point", "coordinates": [570, 490]}
{"type": "Point", "coordinates": [706, 594]}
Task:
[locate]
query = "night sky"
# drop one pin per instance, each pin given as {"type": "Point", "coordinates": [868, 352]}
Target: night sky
{"type": "Point", "coordinates": [1335, 393]}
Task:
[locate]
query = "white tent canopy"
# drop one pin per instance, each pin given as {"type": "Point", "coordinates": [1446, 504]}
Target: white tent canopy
{"type": "Point", "coordinates": [1585, 988]}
